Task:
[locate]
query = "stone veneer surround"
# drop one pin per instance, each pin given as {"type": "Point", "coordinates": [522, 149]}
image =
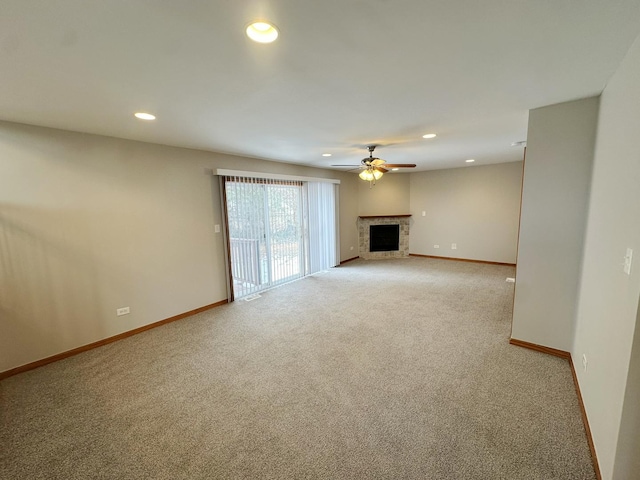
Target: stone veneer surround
{"type": "Point", "coordinates": [363, 235]}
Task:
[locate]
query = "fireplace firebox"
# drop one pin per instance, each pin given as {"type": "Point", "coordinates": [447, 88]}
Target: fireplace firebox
{"type": "Point", "coordinates": [384, 238]}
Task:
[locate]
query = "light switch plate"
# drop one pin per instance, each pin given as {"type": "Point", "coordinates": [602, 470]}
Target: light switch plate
{"type": "Point", "coordinates": [627, 261]}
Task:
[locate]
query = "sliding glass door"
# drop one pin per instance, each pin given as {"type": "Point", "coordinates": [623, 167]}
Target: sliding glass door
{"type": "Point", "coordinates": [277, 230]}
{"type": "Point", "coordinates": [264, 221]}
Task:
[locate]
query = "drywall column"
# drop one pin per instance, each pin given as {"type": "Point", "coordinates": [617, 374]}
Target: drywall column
{"type": "Point", "coordinates": [557, 176]}
{"type": "Point", "coordinates": [607, 312]}
{"type": "Point", "coordinates": [627, 461]}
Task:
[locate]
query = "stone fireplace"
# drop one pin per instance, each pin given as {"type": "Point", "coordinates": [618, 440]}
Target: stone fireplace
{"type": "Point", "coordinates": [364, 226]}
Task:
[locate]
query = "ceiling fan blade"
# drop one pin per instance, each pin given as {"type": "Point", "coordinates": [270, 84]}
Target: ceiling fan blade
{"type": "Point", "coordinates": [400, 165]}
{"type": "Point", "coordinates": [381, 169]}
{"type": "Point", "coordinates": [377, 162]}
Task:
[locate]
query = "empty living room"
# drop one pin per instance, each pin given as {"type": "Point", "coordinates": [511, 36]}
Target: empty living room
{"type": "Point", "coordinates": [324, 240]}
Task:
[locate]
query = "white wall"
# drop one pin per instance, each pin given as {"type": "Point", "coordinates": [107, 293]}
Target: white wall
{"type": "Point", "coordinates": [608, 300]}
{"type": "Point", "coordinates": [477, 208]}
{"type": "Point", "coordinates": [557, 175]}
{"type": "Point", "coordinates": [89, 224]}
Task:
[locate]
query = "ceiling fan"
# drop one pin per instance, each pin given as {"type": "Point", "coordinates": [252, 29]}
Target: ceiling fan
{"type": "Point", "coordinates": [373, 167]}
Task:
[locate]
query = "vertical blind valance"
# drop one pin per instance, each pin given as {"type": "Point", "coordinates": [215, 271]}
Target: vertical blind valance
{"type": "Point", "coordinates": [260, 181]}
{"type": "Point", "coordinates": [223, 172]}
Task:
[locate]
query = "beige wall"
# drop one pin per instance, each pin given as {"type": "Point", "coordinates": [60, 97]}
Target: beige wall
{"type": "Point", "coordinates": [608, 302]}
{"type": "Point", "coordinates": [477, 208]}
{"type": "Point", "coordinates": [389, 196]}
{"type": "Point", "coordinates": [349, 201]}
{"type": "Point", "coordinates": [555, 193]}
{"type": "Point", "coordinates": [89, 224]}
{"type": "Point", "coordinates": [92, 223]}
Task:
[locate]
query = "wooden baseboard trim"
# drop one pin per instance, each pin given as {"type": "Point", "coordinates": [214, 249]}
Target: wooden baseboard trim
{"type": "Point", "coordinates": [99, 343]}
{"type": "Point", "coordinates": [585, 421]}
{"type": "Point", "coordinates": [462, 259]}
{"type": "Point", "coordinates": [540, 348]}
{"type": "Point", "coordinates": [567, 355]}
{"type": "Point", "coordinates": [349, 260]}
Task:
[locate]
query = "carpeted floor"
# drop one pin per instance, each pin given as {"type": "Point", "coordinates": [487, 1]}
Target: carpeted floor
{"type": "Point", "coordinates": [392, 369]}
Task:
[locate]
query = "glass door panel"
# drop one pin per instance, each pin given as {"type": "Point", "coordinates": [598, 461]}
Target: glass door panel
{"type": "Point", "coordinates": [265, 233]}
{"type": "Point", "coordinates": [285, 232]}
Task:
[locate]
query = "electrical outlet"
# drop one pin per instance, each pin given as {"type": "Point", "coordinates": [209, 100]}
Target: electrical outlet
{"type": "Point", "coordinates": [424, 213]}
{"type": "Point", "coordinates": [351, 248]}
{"type": "Point", "coordinates": [436, 246]}
{"type": "Point", "coordinates": [454, 246]}
{"type": "Point", "coordinates": [122, 311]}
{"type": "Point", "coordinates": [584, 362]}
{"type": "Point", "coordinates": [216, 228]}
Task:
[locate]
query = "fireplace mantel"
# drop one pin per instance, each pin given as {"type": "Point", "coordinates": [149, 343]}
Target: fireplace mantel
{"type": "Point", "coordinates": [384, 216]}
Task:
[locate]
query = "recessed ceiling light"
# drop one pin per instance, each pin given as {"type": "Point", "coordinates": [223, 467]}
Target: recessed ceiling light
{"type": "Point", "coordinates": [326, 154]}
{"type": "Point", "coordinates": [471, 160]}
{"type": "Point", "coordinates": [395, 169]}
{"type": "Point", "coordinates": [429, 135]}
{"type": "Point", "coordinates": [262, 32]}
{"type": "Point", "coordinates": [145, 116]}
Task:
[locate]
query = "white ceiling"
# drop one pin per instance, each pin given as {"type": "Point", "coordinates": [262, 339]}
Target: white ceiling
{"type": "Point", "coordinates": [343, 74]}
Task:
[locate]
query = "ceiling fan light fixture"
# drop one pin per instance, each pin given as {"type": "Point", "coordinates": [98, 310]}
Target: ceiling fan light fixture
{"type": "Point", "coordinates": [369, 175]}
{"type": "Point", "coordinates": [262, 32]}
{"type": "Point", "coordinates": [372, 168]}
{"type": "Point", "coordinates": [429, 135]}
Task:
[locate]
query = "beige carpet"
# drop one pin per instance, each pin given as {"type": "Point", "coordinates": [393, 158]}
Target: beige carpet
{"type": "Point", "coordinates": [391, 369]}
